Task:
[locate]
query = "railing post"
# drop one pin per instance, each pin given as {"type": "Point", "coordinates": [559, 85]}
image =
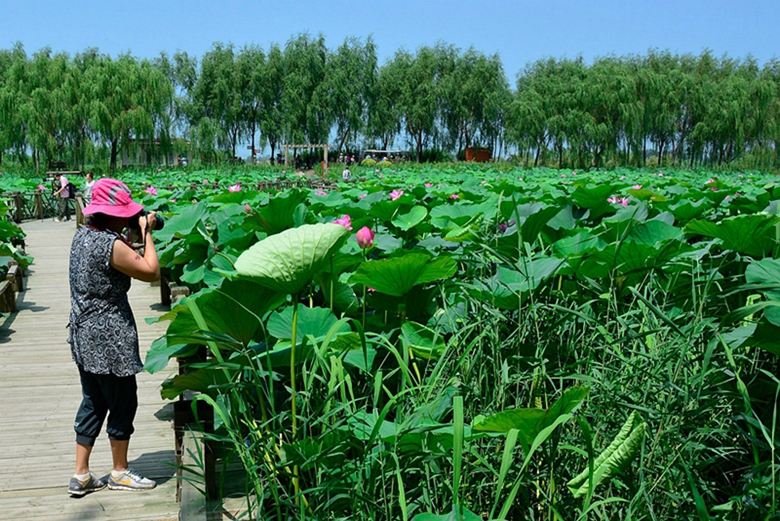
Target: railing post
{"type": "Point", "coordinates": [18, 207]}
{"type": "Point", "coordinates": [38, 204]}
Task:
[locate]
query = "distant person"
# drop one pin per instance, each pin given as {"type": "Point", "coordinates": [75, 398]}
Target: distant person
{"type": "Point", "coordinates": [88, 187]}
{"type": "Point", "coordinates": [346, 175]}
{"type": "Point", "coordinates": [63, 192]}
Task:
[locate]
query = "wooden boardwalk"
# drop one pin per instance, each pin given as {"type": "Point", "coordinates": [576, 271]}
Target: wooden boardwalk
{"type": "Point", "coordinates": [40, 393]}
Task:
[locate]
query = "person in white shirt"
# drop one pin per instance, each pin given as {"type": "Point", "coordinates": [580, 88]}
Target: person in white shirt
{"type": "Point", "coordinates": [88, 187]}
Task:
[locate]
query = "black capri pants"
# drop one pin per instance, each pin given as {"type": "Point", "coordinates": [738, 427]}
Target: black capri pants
{"type": "Point", "coordinates": [106, 394]}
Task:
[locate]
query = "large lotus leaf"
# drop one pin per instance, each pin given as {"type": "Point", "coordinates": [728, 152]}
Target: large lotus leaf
{"type": "Point", "coordinates": [410, 219]}
{"type": "Point", "coordinates": [496, 293]}
{"type": "Point", "coordinates": [161, 351]}
{"type": "Point", "coordinates": [287, 261]}
{"type": "Point", "coordinates": [766, 272]}
{"type": "Point", "coordinates": [422, 341]}
{"type": "Point", "coordinates": [531, 421]}
{"type": "Point", "coordinates": [448, 216]}
{"type": "Point", "coordinates": [593, 198]}
{"type": "Point", "coordinates": [311, 321]}
{"type": "Point", "coordinates": [458, 513]}
{"type": "Point", "coordinates": [753, 235]}
{"type": "Point", "coordinates": [686, 210]}
{"type": "Point", "coordinates": [397, 276]}
{"type": "Point", "coordinates": [182, 224]}
{"type": "Point", "coordinates": [278, 214]}
{"type": "Point", "coordinates": [202, 380]}
{"type": "Point", "coordinates": [655, 232]}
{"type": "Point", "coordinates": [636, 212]}
{"type": "Point", "coordinates": [235, 309]}
{"type": "Point", "coordinates": [567, 218]}
{"type": "Point", "coordinates": [532, 218]}
{"type": "Point", "coordinates": [530, 274]}
{"type": "Point", "coordinates": [577, 244]}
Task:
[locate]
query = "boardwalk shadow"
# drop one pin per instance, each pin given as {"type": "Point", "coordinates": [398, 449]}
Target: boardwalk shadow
{"type": "Point", "coordinates": [159, 466]}
{"type": "Point", "coordinates": [165, 413]}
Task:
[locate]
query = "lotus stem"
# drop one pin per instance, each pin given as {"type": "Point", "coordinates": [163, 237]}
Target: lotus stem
{"type": "Point", "coordinates": [294, 407]}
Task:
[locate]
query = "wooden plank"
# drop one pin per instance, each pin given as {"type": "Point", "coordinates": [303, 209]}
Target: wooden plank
{"type": "Point", "coordinates": [40, 393]}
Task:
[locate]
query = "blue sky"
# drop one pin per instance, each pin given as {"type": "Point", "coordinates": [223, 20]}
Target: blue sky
{"type": "Point", "coordinates": [521, 31]}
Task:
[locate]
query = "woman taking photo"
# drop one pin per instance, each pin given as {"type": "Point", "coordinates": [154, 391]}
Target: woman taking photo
{"type": "Point", "coordinates": [103, 335]}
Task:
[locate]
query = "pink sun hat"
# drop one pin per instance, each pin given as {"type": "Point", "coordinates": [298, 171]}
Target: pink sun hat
{"type": "Point", "coordinates": [112, 197]}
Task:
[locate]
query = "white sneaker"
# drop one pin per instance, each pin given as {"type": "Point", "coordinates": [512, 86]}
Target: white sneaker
{"type": "Point", "coordinates": [56, 220]}
{"type": "Point", "coordinates": [130, 480]}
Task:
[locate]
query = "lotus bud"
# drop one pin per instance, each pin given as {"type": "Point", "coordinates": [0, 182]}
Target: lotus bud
{"type": "Point", "coordinates": [365, 237]}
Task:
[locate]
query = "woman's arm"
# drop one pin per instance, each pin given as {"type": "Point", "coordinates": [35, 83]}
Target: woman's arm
{"type": "Point", "coordinates": [129, 262]}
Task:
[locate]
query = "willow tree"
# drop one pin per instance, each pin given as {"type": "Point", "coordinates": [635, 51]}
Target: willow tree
{"type": "Point", "coordinates": [271, 126]}
{"type": "Point", "coordinates": [218, 95]}
{"type": "Point", "coordinates": [474, 96]}
{"type": "Point", "coordinates": [305, 117]}
{"type": "Point", "coordinates": [350, 81]}
{"type": "Point", "coordinates": [250, 65]}
{"type": "Point", "coordinates": [127, 96]}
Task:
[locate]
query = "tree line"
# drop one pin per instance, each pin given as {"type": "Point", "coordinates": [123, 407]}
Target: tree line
{"type": "Point", "coordinates": [660, 108]}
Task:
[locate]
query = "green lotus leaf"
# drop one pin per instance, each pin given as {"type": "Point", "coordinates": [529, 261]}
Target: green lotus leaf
{"type": "Point", "coordinates": [278, 215]}
{"type": "Point", "coordinates": [398, 275]}
{"type": "Point", "coordinates": [749, 234]}
{"type": "Point", "coordinates": [287, 261]}
{"type": "Point", "coordinates": [411, 219]}
{"type": "Point", "coordinates": [531, 422]}
{"type": "Point", "coordinates": [235, 309]}
{"type": "Point", "coordinates": [766, 272]}
{"type": "Point", "coordinates": [458, 513]}
{"type": "Point", "coordinates": [311, 321]}
{"type": "Point", "coordinates": [422, 341]}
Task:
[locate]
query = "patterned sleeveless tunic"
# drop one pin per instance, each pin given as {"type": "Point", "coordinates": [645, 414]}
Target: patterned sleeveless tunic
{"type": "Point", "coordinates": [103, 337]}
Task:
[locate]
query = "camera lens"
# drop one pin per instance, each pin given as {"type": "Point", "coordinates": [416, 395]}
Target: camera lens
{"type": "Point", "coordinates": [159, 223]}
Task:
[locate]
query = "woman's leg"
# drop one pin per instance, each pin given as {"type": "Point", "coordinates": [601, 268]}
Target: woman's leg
{"type": "Point", "coordinates": [89, 419]}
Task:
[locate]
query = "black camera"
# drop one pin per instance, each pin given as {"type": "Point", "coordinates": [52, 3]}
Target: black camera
{"type": "Point", "coordinates": [159, 223]}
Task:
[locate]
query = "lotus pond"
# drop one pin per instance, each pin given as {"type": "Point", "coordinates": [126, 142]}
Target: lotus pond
{"type": "Point", "coordinates": [461, 342]}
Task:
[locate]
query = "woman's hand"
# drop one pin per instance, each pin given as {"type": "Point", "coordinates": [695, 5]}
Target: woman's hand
{"type": "Point", "coordinates": [146, 222]}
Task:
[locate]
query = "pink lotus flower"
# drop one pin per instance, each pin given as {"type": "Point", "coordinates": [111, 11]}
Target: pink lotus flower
{"type": "Point", "coordinates": [321, 192]}
{"type": "Point", "coordinates": [365, 237]}
{"type": "Point", "coordinates": [741, 176]}
{"type": "Point", "coordinates": [361, 196]}
{"type": "Point", "coordinates": [150, 190]}
{"type": "Point", "coordinates": [521, 179]}
{"type": "Point", "coordinates": [622, 177]}
{"type": "Point", "coordinates": [370, 289]}
{"type": "Point", "coordinates": [247, 208]}
{"type": "Point", "coordinates": [636, 187]}
{"type": "Point", "coordinates": [381, 176]}
{"type": "Point", "coordinates": [660, 174]}
{"type": "Point", "coordinates": [574, 173]}
{"type": "Point", "coordinates": [395, 194]}
{"type": "Point", "coordinates": [205, 181]}
{"type": "Point", "coordinates": [455, 196]}
{"type": "Point", "coordinates": [709, 181]}
{"type": "Point", "coordinates": [41, 187]}
{"type": "Point", "coordinates": [428, 185]}
{"type": "Point", "coordinates": [618, 200]}
{"type": "Point", "coordinates": [159, 169]}
{"type": "Point", "coordinates": [235, 188]}
{"type": "Point", "coordinates": [563, 176]}
{"type": "Point", "coordinates": [174, 200]}
{"type": "Point", "coordinates": [376, 171]}
{"type": "Point", "coordinates": [345, 221]}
